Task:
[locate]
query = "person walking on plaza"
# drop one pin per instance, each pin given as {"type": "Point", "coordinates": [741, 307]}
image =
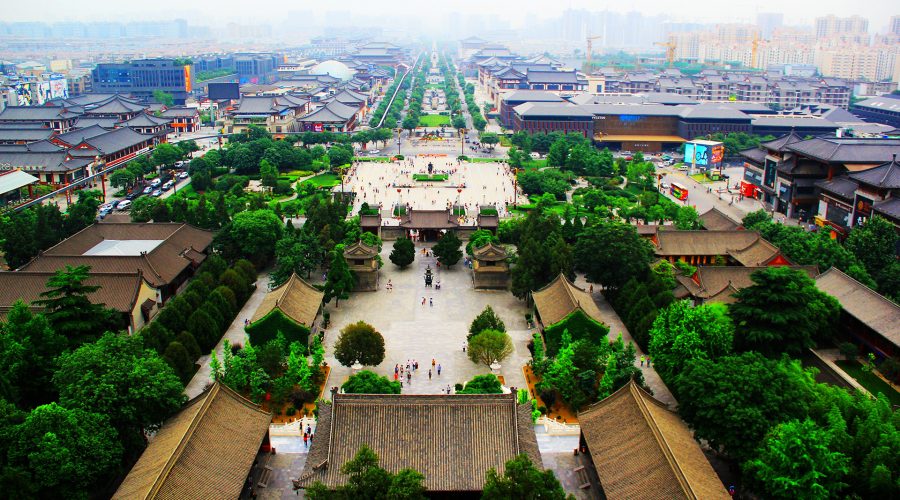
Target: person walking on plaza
{"type": "Point", "coordinates": [430, 302]}
{"type": "Point", "coordinates": [642, 360]}
{"type": "Point", "coordinates": [432, 362]}
{"type": "Point", "coordinates": [429, 374]}
{"type": "Point", "coordinates": [439, 369]}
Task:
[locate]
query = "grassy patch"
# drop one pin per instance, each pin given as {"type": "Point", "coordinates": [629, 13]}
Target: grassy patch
{"type": "Point", "coordinates": [373, 159]}
{"type": "Point", "coordinates": [635, 189]}
{"type": "Point", "coordinates": [869, 380]}
{"type": "Point", "coordinates": [488, 211]}
{"type": "Point", "coordinates": [398, 211]}
{"type": "Point", "coordinates": [485, 160]}
{"type": "Point", "coordinates": [434, 177]}
{"type": "Point", "coordinates": [504, 141]}
{"type": "Point", "coordinates": [323, 180]}
{"type": "Point", "coordinates": [293, 175]}
{"type": "Point", "coordinates": [557, 209]}
{"type": "Point", "coordinates": [700, 178]}
{"type": "Point", "coordinates": [434, 121]}
{"type": "Point", "coordinates": [186, 192]}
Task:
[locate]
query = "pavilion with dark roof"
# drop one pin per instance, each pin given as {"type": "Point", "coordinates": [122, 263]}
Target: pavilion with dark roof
{"type": "Point", "coordinates": [453, 440]}
{"type": "Point", "coordinates": [489, 268]}
{"type": "Point", "coordinates": [641, 449]}
{"type": "Point", "coordinates": [206, 450]}
{"type": "Point", "coordinates": [429, 223]}
{"type": "Point", "coordinates": [291, 309]}
{"type": "Point", "coordinates": [702, 247]}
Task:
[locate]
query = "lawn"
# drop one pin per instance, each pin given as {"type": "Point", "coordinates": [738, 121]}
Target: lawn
{"type": "Point", "coordinates": [557, 209]}
{"type": "Point", "coordinates": [186, 192]}
{"type": "Point", "coordinates": [426, 177]}
{"type": "Point", "coordinates": [434, 121]}
{"type": "Point", "coordinates": [326, 179]}
{"type": "Point", "coordinates": [373, 159]}
{"type": "Point", "coordinates": [702, 178]}
{"type": "Point", "coordinates": [869, 380]}
{"type": "Point", "coordinates": [485, 160]}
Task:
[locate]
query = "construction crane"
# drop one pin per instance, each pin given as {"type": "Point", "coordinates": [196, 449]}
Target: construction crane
{"type": "Point", "coordinates": [590, 49]}
{"type": "Point", "coordinates": [670, 51]}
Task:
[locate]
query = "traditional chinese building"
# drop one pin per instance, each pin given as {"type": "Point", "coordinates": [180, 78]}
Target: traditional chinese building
{"type": "Point", "coordinates": [490, 269]}
{"type": "Point", "coordinates": [361, 260]}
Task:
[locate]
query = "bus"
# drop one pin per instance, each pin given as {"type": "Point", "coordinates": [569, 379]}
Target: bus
{"type": "Point", "coordinates": [678, 191]}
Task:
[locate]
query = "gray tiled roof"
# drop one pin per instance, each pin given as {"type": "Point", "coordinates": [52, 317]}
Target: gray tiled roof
{"type": "Point", "coordinates": [841, 186]}
{"type": "Point", "coordinates": [75, 137]}
{"type": "Point", "coordinates": [535, 109]}
{"type": "Point", "coordinates": [331, 112]}
{"type": "Point", "coordinates": [35, 147]}
{"type": "Point", "coordinates": [32, 113]}
{"type": "Point", "coordinates": [842, 150]}
{"type": "Point", "coordinates": [179, 112]}
{"type": "Point", "coordinates": [889, 207]}
{"type": "Point", "coordinates": [886, 176]}
{"type": "Point", "coordinates": [558, 77]}
{"type": "Point", "coordinates": [43, 161]}
{"type": "Point", "coordinates": [794, 121]}
{"type": "Point", "coordinates": [532, 96]}
{"type": "Point", "coordinates": [26, 134]}
{"type": "Point", "coordinates": [117, 140]}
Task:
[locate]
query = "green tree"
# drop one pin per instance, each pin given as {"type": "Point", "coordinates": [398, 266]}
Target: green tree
{"type": "Point", "coordinates": [600, 248]}
{"type": "Point", "coordinates": [521, 480]}
{"type": "Point", "coordinates": [753, 219]}
{"type": "Point", "coordinates": [489, 138]}
{"type": "Point", "coordinates": [366, 479]}
{"type": "Point", "coordinates": [121, 178]}
{"type": "Point", "coordinates": [256, 233]}
{"type": "Point", "coordinates": [486, 320]}
{"type": "Point", "coordinates": [403, 253]}
{"type": "Point", "coordinates": [142, 208]}
{"type": "Point", "coordinates": [795, 461]}
{"type": "Point", "coordinates": [268, 174]}
{"type": "Point", "coordinates": [65, 451]}
{"type": "Point", "coordinates": [359, 342]}
{"type": "Point", "coordinates": [70, 311]}
{"type": "Point", "coordinates": [482, 384]}
{"type": "Point", "coordinates": [340, 280]}
{"type": "Point", "coordinates": [164, 98]}
{"type": "Point", "coordinates": [874, 245]}
{"type": "Point", "coordinates": [783, 312]}
{"type": "Point", "coordinates": [682, 332]}
{"type": "Point", "coordinates": [369, 382]}
{"type": "Point", "coordinates": [116, 376]}
{"type": "Point", "coordinates": [731, 402]}
{"type": "Point", "coordinates": [28, 351]}
{"type": "Point", "coordinates": [298, 253]}
{"type": "Point", "coordinates": [447, 250]}
{"type": "Point", "coordinates": [489, 346]}
{"type": "Point", "coordinates": [165, 155]}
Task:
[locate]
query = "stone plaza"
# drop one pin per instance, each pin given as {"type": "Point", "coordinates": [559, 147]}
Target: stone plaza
{"type": "Point", "coordinates": [472, 184]}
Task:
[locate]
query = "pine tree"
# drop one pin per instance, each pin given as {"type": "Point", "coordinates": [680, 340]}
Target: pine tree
{"type": "Point", "coordinates": [340, 278]}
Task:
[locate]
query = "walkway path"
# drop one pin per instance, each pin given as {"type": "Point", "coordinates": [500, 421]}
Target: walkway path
{"type": "Point", "coordinates": [235, 334]}
{"type": "Point", "coordinates": [651, 378]}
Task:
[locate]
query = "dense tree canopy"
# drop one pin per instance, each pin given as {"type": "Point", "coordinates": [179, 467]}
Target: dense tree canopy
{"type": "Point", "coordinates": [783, 311]}
{"type": "Point", "coordinates": [366, 479]}
{"type": "Point", "coordinates": [403, 253]}
{"type": "Point", "coordinates": [447, 250]}
{"type": "Point", "coordinates": [369, 382]}
{"type": "Point", "coordinates": [521, 480]}
{"type": "Point", "coordinates": [482, 384]}
{"type": "Point", "coordinates": [70, 311]}
{"type": "Point", "coordinates": [489, 346]}
{"type": "Point", "coordinates": [682, 332]}
{"type": "Point", "coordinates": [600, 249]}
{"type": "Point", "coordinates": [486, 320]}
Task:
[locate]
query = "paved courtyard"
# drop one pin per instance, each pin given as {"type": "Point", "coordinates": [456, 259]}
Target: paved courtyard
{"type": "Point", "coordinates": [413, 331]}
{"type": "Point", "coordinates": [470, 184]}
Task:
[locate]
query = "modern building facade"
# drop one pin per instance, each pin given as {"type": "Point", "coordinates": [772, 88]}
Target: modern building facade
{"type": "Point", "coordinates": [141, 77]}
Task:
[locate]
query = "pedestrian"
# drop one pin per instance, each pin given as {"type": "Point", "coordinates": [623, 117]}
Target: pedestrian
{"type": "Point", "coordinates": [432, 362]}
{"type": "Point", "coordinates": [306, 440]}
{"type": "Point", "coordinates": [423, 301]}
{"type": "Point", "coordinates": [417, 364]}
{"type": "Point", "coordinates": [439, 369]}
{"type": "Point", "coordinates": [396, 368]}
{"type": "Point", "coordinates": [429, 374]}
{"type": "Point", "coordinates": [642, 360]}
{"type": "Point", "coordinates": [448, 389]}
{"type": "Point", "coordinates": [395, 376]}
{"type": "Point", "coordinates": [648, 361]}
{"type": "Point", "coordinates": [464, 347]}
{"type": "Point", "coordinates": [430, 302]}
{"type": "Point", "coordinates": [408, 377]}
{"type": "Point", "coordinates": [591, 289]}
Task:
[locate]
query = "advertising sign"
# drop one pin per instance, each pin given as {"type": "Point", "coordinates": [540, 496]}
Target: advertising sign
{"type": "Point", "coordinates": [188, 84]}
{"type": "Point", "coordinates": [862, 209]}
{"type": "Point", "coordinates": [318, 127]}
{"type": "Point", "coordinates": [23, 94]}
{"type": "Point", "coordinates": [59, 87]}
{"type": "Point", "coordinates": [718, 154]}
{"type": "Point", "coordinates": [696, 154]}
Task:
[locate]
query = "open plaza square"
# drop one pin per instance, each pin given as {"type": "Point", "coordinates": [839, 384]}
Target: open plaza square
{"type": "Point", "coordinates": [469, 184]}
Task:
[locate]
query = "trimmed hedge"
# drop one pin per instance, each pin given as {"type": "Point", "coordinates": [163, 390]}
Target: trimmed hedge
{"type": "Point", "coordinates": [580, 326]}
{"type": "Point", "coordinates": [269, 326]}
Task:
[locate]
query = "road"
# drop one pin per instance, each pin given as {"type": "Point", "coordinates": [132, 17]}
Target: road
{"type": "Point", "coordinates": [704, 196]}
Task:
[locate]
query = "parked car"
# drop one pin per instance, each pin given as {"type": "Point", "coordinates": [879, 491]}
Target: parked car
{"type": "Point", "coordinates": [132, 195]}
{"type": "Point", "coordinates": [124, 205]}
{"type": "Point", "coordinates": [156, 182]}
{"type": "Point", "coordinates": [105, 206]}
{"type": "Point", "coordinates": [147, 190]}
{"type": "Point", "coordinates": [168, 185]}
{"type": "Point", "coordinates": [156, 192]}
{"type": "Point", "coordinates": [182, 175]}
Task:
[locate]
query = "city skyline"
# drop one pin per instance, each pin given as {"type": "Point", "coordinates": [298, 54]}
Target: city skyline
{"type": "Point", "coordinates": [207, 13]}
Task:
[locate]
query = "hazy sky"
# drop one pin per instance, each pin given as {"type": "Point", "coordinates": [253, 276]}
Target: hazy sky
{"type": "Point", "coordinates": [272, 11]}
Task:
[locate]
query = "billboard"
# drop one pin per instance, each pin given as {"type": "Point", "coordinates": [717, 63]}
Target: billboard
{"type": "Point", "coordinates": [704, 153]}
{"type": "Point", "coordinates": [188, 84]}
{"type": "Point", "coordinates": [23, 92]}
{"type": "Point", "coordinates": [59, 87]}
{"type": "Point", "coordinates": [220, 91]}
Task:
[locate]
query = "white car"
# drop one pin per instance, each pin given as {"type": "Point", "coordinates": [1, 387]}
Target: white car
{"type": "Point", "coordinates": [182, 175]}
{"type": "Point", "coordinates": [664, 185]}
{"type": "Point", "coordinates": [124, 205]}
{"type": "Point", "coordinates": [156, 192]}
{"type": "Point", "coordinates": [156, 182]}
{"type": "Point", "coordinates": [147, 190]}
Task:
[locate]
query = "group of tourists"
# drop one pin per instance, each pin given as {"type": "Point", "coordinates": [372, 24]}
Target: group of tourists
{"type": "Point", "coordinates": [411, 367]}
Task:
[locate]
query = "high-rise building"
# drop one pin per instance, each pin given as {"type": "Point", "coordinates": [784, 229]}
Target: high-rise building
{"type": "Point", "coordinates": [895, 25]}
{"type": "Point", "coordinates": [830, 26]}
{"type": "Point", "coordinates": [768, 21]}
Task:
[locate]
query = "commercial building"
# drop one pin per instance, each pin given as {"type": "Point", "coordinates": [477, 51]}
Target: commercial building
{"type": "Point", "coordinates": [884, 109]}
{"type": "Point", "coordinates": [789, 174]}
{"type": "Point", "coordinates": [141, 77]}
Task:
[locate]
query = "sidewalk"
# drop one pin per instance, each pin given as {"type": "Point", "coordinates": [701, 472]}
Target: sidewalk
{"type": "Point", "coordinates": [651, 378]}
{"type": "Point", "coordinates": [235, 334]}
